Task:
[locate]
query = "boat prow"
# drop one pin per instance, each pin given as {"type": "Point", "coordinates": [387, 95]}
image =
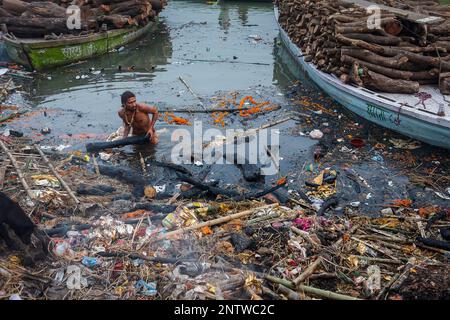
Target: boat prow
{"type": "Point", "coordinates": [424, 116]}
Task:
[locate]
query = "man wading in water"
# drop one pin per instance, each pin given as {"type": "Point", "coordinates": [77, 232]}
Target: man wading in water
{"type": "Point", "coordinates": [136, 115]}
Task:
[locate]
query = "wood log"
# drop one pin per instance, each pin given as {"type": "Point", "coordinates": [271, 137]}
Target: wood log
{"type": "Point", "coordinates": [126, 5]}
{"type": "Point", "coordinates": [47, 9]}
{"type": "Point", "coordinates": [360, 44]}
{"type": "Point", "coordinates": [4, 13]}
{"type": "Point", "coordinates": [157, 5]}
{"type": "Point", "coordinates": [354, 74]}
{"type": "Point", "coordinates": [16, 7]}
{"type": "Point", "coordinates": [118, 21]}
{"type": "Point", "coordinates": [390, 26]}
{"type": "Point", "coordinates": [46, 23]}
{"type": "Point", "coordinates": [418, 58]}
{"type": "Point", "coordinates": [389, 72]}
{"type": "Point", "coordinates": [366, 55]}
{"type": "Point", "coordinates": [378, 82]}
{"type": "Point", "coordinates": [445, 245]}
{"type": "Point", "coordinates": [442, 44]}
{"type": "Point", "coordinates": [132, 12]}
{"type": "Point", "coordinates": [444, 83]}
{"type": "Point", "coordinates": [381, 40]}
{"type": "Point", "coordinates": [28, 14]}
{"type": "Point", "coordinates": [98, 146]}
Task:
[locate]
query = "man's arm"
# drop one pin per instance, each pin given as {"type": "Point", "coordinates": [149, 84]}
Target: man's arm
{"type": "Point", "coordinates": [126, 130]}
{"type": "Point", "coordinates": [155, 115]}
{"type": "Point", "coordinates": [127, 127]}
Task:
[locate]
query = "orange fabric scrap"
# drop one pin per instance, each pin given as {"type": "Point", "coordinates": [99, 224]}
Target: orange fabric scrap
{"type": "Point", "coordinates": [135, 214]}
{"type": "Point", "coordinates": [425, 212]}
{"type": "Point", "coordinates": [218, 117]}
{"type": "Point", "coordinates": [255, 109]}
{"type": "Point", "coordinates": [207, 231]}
{"type": "Point", "coordinates": [175, 119]}
{"type": "Point", "coordinates": [281, 181]}
{"type": "Point", "coordinates": [402, 202]}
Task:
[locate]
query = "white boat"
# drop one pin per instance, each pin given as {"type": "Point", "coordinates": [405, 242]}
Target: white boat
{"type": "Point", "coordinates": [424, 116]}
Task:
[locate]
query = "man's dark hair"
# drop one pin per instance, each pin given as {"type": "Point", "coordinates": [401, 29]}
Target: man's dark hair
{"type": "Point", "coordinates": [125, 96]}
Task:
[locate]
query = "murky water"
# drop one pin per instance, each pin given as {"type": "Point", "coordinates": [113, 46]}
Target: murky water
{"type": "Point", "coordinates": [217, 48]}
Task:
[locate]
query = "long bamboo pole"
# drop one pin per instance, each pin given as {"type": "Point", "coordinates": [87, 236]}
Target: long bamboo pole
{"type": "Point", "coordinates": [215, 221]}
{"type": "Point", "coordinates": [192, 92]}
{"type": "Point", "coordinates": [318, 292]}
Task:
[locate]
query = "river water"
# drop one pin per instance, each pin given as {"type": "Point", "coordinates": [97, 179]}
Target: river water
{"type": "Point", "coordinates": [217, 48]}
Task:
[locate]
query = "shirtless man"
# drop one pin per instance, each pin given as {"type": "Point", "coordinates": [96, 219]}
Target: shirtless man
{"type": "Point", "coordinates": [136, 115]}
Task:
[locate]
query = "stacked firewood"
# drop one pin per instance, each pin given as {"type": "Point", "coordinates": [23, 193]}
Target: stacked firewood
{"type": "Point", "coordinates": [34, 19]}
{"type": "Point", "coordinates": [396, 56]}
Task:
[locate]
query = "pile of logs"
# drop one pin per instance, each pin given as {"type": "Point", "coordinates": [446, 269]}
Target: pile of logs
{"type": "Point", "coordinates": [397, 56]}
{"type": "Point", "coordinates": [35, 19]}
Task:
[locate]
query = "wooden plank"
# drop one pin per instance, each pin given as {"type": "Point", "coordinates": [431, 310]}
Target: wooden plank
{"type": "Point", "coordinates": [406, 14]}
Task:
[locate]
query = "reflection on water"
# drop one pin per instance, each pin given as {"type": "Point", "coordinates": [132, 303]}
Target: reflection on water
{"type": "Point", "coordinates": [137, 63]}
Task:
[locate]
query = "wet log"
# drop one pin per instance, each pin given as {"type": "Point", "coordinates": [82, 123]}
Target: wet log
{"type": "Point", "coordinates": [134, 140]}
{"type": "Point", "coordinates": [232, 194]}
{"type": "Point", "coordinates": [172, 166]}
{"type": "Point", "coordinates": [125, 175]}
{"type": "Point", "coordinates": [97, 190]}
{"type": "Point", "coordinates": [378, 82]}
{"type": "Point", "coordinates": [250, 172]}
{"type": "Point", "coordinates": [445, 245]}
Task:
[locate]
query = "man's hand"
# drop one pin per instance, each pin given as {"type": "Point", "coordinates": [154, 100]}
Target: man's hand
{"type": "Point", "coordinates": [150, 133]}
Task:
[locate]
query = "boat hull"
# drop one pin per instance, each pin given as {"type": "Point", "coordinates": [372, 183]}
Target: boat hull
{"type": "Point", "coordinates": [369, 108]}
{"type": "Point", "coordinates": [45, 54]}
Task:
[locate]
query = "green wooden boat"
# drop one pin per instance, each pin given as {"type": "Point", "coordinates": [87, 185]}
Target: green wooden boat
{"type": "Point", "coordinates": [39, 54]}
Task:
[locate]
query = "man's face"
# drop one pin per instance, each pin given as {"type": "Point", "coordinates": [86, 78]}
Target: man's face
{"type": "Point", "coordinates": [131, 103]}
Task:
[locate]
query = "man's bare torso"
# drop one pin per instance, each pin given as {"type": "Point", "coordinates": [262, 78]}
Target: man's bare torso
{"type": "Point", "coordinates": [138, 120]}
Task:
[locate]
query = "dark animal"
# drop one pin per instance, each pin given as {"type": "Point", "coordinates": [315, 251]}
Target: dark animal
{"type": "Point", "coordinates": [12, 215]}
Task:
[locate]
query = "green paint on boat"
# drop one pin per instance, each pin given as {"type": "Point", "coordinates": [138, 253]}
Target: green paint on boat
{"type": "Point", "coordinates": [44, 54]}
